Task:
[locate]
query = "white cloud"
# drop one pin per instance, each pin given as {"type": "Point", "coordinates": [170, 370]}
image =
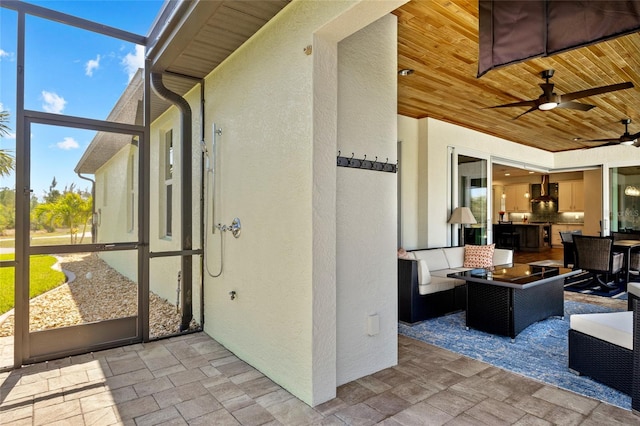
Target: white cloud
{"type": "Point", "coordinates": [68, 143]}
{"type": "Point", "coordinates": [92, 64]}
{"type": "Point", "coordinates": [53, 102]}
{"type": "Point", "coordinates": [4, 54]}
{"type": "Point", "coordinates": [133, 61]}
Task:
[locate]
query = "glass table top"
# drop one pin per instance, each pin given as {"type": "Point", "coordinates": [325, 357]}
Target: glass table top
{"type": "Point", "coordinates": [513, 273]}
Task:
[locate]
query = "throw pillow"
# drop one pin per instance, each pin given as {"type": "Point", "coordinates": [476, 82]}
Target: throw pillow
{"type": "Point", "coordinates": [478, 256]}
{"type": "Point", "coordinates": [403, 254]}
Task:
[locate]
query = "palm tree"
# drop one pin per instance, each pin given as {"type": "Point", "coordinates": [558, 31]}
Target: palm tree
{"type": "Point", "coordinates": [7, 161]}
{"type": "Point", "coordinates": [69, 210]}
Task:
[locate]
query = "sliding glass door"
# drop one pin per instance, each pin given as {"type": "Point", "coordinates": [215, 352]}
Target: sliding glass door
{"type": "Point", "coordinates": [470, 189]}
{"type": "Point", "coordinates": [624, 198]}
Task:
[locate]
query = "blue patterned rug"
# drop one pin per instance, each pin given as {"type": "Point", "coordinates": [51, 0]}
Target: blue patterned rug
{"type": "Point", "coordinates": [540, 351]}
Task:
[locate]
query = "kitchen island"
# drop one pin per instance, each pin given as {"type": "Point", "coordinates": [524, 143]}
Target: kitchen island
{"type": "Point", "coordinates": [533, 236]}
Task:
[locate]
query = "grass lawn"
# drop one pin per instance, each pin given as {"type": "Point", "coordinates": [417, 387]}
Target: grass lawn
{"type": "Point", "coordinates": [43, 279]}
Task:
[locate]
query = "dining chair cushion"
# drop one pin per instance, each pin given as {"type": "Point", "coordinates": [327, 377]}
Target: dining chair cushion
{"type": "Point", "coordinates": [634, 261]}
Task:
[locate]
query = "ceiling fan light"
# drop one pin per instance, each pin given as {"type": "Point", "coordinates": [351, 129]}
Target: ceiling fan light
{"type": "Point", "coordinates": [628, 142]}
{"type": "Point", "coordinates": [547, 106]}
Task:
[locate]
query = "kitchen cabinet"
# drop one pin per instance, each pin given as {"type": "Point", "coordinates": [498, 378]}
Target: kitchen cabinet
{"type": "Point", "coordinates": [515, 200]}
{"type": "Point", "coordinates": [531, 236]}
{"type": "Point", "coordinates": [556, 241]}
{"type": "Point", "coordinates": [571, 196]}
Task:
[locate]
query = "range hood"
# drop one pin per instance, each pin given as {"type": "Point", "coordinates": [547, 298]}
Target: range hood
{"type": "Point", "coordinates": [544, 191]}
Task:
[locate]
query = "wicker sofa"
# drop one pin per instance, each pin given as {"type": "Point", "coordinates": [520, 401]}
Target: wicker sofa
{"type": "Point", "coordinates": [425, 291]}
{"type": "Point", "coordinates": [601, 346]}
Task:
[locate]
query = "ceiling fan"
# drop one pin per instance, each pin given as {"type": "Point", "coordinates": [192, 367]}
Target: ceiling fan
{"type": "Point", "coordinates": [550, 100]}
{"type": "Point", "coordinates": [625, 139]}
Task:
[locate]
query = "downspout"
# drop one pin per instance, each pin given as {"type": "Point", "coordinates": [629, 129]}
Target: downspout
{"type": "Point", "coordinates": [94, 227]}
{"type": "Point", "coordinates": [186, 216]}
{"type": "Point", "coordinates": [203, 179]}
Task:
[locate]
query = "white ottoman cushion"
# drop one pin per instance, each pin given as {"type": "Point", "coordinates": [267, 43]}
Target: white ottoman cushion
{"type": "Point", "coordinates": [612, 327]}
{"type": "Point", "coordinates": [633, 288]}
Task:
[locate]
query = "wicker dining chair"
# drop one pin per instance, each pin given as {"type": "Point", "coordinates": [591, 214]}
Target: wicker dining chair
{"type": "Point", "coordinates": [567, 244]}
{"type": "Point", "coordinates": [596, 255]}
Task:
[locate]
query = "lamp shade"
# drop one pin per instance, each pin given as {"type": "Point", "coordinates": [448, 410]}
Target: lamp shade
{"type": "Point", "coordinates": [462, 215]}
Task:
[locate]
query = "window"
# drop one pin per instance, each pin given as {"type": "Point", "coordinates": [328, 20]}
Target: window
{"type": "Point", "coordinates": [625, 198]}
{"type": "Point", "coordinates": [131, 193]}
{"type": "Point", "coordinates": [472, 193]}
{"type": "Point", "coordinates": [167, 177]}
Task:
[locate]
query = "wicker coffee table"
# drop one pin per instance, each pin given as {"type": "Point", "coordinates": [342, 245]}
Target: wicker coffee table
{"type": "Point", "coordinates": [506, 299]}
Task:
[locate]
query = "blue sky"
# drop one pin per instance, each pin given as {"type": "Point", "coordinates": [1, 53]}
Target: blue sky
{"type": "Point", "coordinates": [66, 71]}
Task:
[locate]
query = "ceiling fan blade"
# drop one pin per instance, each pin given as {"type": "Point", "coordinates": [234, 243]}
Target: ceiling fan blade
{"type": "Point", "coordinates": [516, 104]}
{"type": "Point", "coordinates": [595, 91]}
{"type": "Point", "coordinates": [533, 108]}
{"type": "Point", "coordinates": [635, 136]}
{"type": "Point", "coordinates": [611, 140]}
{"type": "Point", "coordinates": [575, 105]}
{"type": "Point", "coordinates": [610, 143]}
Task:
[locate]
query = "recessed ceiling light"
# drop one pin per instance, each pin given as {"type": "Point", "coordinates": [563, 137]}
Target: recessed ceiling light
{"type": "Point", "coordinates": [405, 71]}
{"type": "Point", "coordinates": [507, 174]}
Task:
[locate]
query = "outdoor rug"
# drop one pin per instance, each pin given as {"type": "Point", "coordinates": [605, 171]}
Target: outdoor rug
{"type": "Point", "coordinates": [620, 293]}
{"type": "Point", "coordinates": [539, 352]}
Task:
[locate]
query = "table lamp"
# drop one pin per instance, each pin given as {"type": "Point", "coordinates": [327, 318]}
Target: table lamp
{"type": "Point", "coordinates": [462, 216]}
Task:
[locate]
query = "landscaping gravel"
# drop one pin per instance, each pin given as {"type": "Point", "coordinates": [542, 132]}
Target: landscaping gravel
{"type": "Point", "coordinates": [98, 292]}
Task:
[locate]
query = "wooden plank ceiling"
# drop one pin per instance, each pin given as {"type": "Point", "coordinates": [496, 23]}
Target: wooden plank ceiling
{"type": "Point", "coordinates": [438, 39]}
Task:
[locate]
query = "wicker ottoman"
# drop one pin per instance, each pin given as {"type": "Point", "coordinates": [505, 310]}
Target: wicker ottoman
{"type": "Point", "coordinates": [601, 347]}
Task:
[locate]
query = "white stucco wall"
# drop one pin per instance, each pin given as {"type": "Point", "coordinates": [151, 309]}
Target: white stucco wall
{"type": "Point", "coordinates": [366, 207]}
{"type": "Point", "coordinates": [412, 135]}
{"type": "Point", "coordinates": [113, 207]}
{"type": "Point", "coordinates": [278, 111]}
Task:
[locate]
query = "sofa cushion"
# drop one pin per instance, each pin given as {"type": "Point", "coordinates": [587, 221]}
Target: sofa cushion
{"type": "Point", "coordinates": [443, 273]}
{"type": "Point", "coordinates": [437, 284]}
{"type": "Point", "coordinates": [478, 256]}
{"type": "Point", "coordinates": [424, 276]}
{"type": "Point", "coordinates": [612, 327]}
{"type": "Point", "coordinates": [455, 256]}
{"type": "Point", "coordinates": [435, 258]}
{"type": "Point", "coordinates": [502, 256]}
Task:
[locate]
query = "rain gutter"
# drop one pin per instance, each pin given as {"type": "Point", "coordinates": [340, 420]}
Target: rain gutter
{"type": "Point", "coordinates": [186, 216]}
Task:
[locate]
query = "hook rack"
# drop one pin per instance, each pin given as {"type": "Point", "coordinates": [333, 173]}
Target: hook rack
{"type": "Point", "coordinates": [363, 163]}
